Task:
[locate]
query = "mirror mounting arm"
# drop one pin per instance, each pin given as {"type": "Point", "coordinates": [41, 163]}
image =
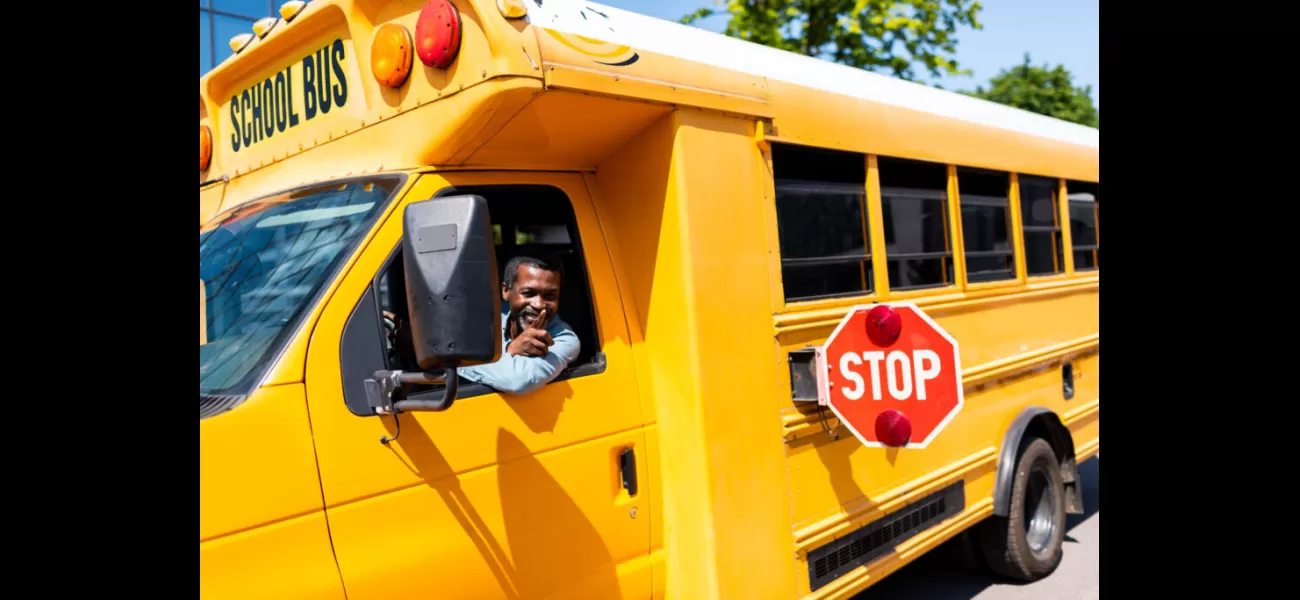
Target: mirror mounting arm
{"type": "Point", "coordinates": [448, 393]}
{"type": "Point", "coordinates": [381, 389]}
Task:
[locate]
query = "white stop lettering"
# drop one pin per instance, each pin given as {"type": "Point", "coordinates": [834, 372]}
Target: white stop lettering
{"type": "Point", "coordinates": [901, 373]}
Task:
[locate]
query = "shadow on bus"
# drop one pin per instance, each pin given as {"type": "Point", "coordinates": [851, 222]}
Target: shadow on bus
{"type": "Point", "coordinates": [939, 575]}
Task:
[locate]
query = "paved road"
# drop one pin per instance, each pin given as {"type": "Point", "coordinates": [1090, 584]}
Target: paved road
{"type": "Point", "coordinates": [934, 577]}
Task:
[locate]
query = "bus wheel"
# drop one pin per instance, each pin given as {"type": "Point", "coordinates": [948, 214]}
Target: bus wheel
{"type": "Point", "coordinates": [1026, 544]}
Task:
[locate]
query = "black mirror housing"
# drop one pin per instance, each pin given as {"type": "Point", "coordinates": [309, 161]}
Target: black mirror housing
{"type": "Point", "coordinates": [452, 284]}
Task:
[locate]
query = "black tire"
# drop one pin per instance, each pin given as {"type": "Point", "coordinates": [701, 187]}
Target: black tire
{"type": "Point", "coordinates": [1026, 544]}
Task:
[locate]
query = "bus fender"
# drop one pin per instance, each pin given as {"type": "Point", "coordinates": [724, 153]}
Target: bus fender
{"type": "Point", "coordinates": [1037, 422]}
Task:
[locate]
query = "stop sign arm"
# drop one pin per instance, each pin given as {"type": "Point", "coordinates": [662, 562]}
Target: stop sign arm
{"type": "Point", "coordinates": [823, 382]}
{"type": "Point", "coordinates": [890, 374]}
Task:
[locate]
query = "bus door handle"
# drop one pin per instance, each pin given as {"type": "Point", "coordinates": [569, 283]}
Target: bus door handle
{"type": "Point", "coordinates": [627, 470]}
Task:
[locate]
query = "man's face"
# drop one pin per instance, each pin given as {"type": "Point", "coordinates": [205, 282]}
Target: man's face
{"type": "Point", "coordinates": [535, 290]}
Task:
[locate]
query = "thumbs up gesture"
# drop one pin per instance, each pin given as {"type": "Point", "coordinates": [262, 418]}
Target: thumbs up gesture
{"type": "Point", "coordinates": [534, 340]}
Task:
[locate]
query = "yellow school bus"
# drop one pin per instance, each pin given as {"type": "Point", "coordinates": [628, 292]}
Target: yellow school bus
{"type": "Point", "coordinates": [368, 167]}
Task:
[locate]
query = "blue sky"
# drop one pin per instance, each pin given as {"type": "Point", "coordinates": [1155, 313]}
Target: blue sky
{"type": "Point", "coordinates": [1052, 31]}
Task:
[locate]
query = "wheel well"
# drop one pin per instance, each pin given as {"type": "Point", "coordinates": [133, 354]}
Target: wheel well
{"type": "Point", "coordinates": [1033, 422]}
{"type": "Point", "coordinates": [1048, 426]}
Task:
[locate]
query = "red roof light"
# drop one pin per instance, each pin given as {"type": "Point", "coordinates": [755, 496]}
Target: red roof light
{"type": "Point", "coordinates": [437, 34]}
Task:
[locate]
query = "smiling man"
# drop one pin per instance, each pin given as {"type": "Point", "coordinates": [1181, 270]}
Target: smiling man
{"type": "Point", "coordinates": [536, 343]}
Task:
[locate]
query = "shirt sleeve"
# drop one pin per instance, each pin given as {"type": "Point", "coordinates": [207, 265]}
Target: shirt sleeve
{"type": "Point", "coordinates": [523, 374]}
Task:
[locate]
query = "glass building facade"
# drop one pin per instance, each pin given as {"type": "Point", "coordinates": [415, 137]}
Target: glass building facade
{"type": "Point", "coordinates": [220, 20]}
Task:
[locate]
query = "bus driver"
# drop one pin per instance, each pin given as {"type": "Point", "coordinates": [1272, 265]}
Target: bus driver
{"type": "Point", "coordinates": [536, 343]}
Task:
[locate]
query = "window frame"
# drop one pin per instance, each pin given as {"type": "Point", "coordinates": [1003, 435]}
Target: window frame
{"type": "Point", "coordinates": [1061, 268]}
{"type": "Point", "coordinates": [1095, 247]}
{"type": "Point", "coordinates": [865, 261]}
{"type": "Point", "coordinates": [351, 351]}
{"type": "Point", "coordinates": [979, 200]}
{"type": "Point", "coordinates": [948, 257]}
{"type": "Point", "coordinates": [283, 342]}
{"type": "Point", "coordinates": [876, 257]}
{"type": "Point", "coordinates": [1007, 201]}
{"type": "Point", "coordinates": [875, 281]}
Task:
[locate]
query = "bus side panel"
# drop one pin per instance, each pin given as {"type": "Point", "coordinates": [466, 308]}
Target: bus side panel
{"type": "Point", "coordinates": [500, 496]}
{"type": "Point", "coordinates": [1019, 326]}
{"type": "Point", "coordinates": [1082, 415]}
{"type": "Point", "coordinates": [818, 460]}
{"type": "Point", "coordinates": [289, 559]}
{"type": "Point", "coordinates": [721, 171]}
{"type": "Point", "coordinates": [998, 337]}
{"type": "Point", "coordinates": [683, 201]}
{"type": "Point", "coordinates": [1011, 350]}
{"type": "Point", "coordinates": [262, 529]}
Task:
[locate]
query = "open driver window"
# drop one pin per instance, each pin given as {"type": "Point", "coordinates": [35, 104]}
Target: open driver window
{"type": "Point", "coordinates": [528, 220]}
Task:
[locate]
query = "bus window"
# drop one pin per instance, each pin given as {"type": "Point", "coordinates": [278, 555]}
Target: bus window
{"type": "Point", "coordinates": [526, 220]}
{"type": "Point", "coordinates": [821, 218]}
{"type": "Point", "coordinates": [914, 207]}
{"type": "Point", "coordinates": [986, 224]}
{"type": "Point", "coordinates": [1040, 222]}
{"type": "Point", "coordinates": [1083, 198]}
{"type": "Point", "coordinates": [263, 265]}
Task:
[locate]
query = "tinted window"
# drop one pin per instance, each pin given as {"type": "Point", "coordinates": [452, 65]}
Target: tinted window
{"type": "Point", "coordinates": [914, 205]}
{"type": "Point", "coordinates": [986, 224]}
{"type": "Point", "coordinates": [1083, 201]}
{"type": "Point", "coordinates": [1040, 220]}
{"type": "Point", "coordinates": [822, 222]}
{"type": "Point", "coordinates": [263, 265]}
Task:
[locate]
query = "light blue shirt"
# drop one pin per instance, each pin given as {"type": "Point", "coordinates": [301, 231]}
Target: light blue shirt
{"type": "Point", "coordinates": [523, 374]}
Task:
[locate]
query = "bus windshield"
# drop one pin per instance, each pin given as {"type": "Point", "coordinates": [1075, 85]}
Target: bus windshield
{"type": "Point", "coordinates": [261, 267]}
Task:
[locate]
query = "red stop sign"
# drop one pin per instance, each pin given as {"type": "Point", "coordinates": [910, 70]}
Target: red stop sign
{"type": "Point", "coordinates": [887, 367]}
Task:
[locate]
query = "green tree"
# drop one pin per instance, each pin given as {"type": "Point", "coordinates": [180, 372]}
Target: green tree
{"type": "Point", "coordinates": [877, 35]}
{"type": "Point", "coordinates": [1043, 90]}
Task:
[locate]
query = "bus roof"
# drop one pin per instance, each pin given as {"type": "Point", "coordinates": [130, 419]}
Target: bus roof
{"type": "Point", "coordinates": [650, 34]}
{"type": "Point", "coordinates": [562, 89]}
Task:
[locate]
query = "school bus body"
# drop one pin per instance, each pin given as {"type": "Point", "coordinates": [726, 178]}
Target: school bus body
{"type": "Point", "coordinates": [661, 139]}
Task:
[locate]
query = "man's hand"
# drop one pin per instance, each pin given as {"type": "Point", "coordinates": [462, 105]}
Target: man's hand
{"type": "Point", "coordinates": [533, 340]}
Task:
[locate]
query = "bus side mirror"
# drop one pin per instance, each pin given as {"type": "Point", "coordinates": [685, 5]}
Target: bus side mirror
{"type": "Point", "coordinates": [452, 292]}
{"type": "Point", "coordinates": [452, 287]}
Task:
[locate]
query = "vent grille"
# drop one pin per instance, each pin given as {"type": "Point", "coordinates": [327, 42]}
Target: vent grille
{"type": "Point", "coordinates": [880, 537]}
{"type": "Point", "coordinates": [210, 405]}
